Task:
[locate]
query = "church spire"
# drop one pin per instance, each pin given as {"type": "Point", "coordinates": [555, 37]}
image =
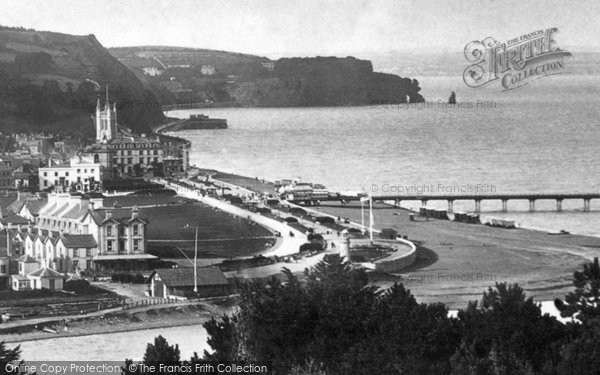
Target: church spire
{"type": "Point", "coordinates": [106, 104]}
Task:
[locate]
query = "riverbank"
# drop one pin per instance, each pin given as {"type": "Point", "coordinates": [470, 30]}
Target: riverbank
{"type": "Point", "coordinates": [150, 317]}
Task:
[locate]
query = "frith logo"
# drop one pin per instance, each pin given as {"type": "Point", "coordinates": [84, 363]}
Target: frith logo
{"type": "Point", "coordinates": [516, 62]}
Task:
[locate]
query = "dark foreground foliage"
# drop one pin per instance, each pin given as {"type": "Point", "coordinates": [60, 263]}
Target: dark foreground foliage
{"type": "Point", "coordinates": [330, 321]}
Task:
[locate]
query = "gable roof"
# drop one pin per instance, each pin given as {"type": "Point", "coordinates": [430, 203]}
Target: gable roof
{"type": "Point", "coordinates": [120, 215]}
{"type": "Point", "coordinates": [34, 206]}
{"type": "Point", "coordinates": [184, 276]}
{"type": "Point", "coordinates": [10, 218]}
{"type": "Point", "coordinates": [86, 241]}
{"type": "Point", "coordinates": [46, 272]}
{"type": "Point", "coordinates": [26, 259]}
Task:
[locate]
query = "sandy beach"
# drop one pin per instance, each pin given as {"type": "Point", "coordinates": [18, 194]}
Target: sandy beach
{"type": "Point", "coordinates": [457, 261]}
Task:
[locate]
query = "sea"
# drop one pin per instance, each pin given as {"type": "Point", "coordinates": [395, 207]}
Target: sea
{"type": "Point", "coordinates": [543, 137]}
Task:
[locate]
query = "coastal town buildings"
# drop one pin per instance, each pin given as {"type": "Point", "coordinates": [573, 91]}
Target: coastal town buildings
{"type": "Point", "coordinates": [7, 179]}
{"type": "Point", "coordinates": [122, 153]}
{"type": "Point", "coordinates": [80, 174]}
{"type": "Point", "coordinates": [64, 234]}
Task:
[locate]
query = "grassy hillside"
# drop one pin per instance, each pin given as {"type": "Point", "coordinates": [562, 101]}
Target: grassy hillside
{"type": "Point", "coordinates": [200, 75]}
{"type": "Point", "coordinates": [50, 82]}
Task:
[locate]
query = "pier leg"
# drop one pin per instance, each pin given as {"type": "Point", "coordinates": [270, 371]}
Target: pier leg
{"type": "Point", "coordinates": [450, 206]}
{"type": "Point", "coordinates": [423, 202]}
{"type": "Point", "coordinates": [531, 205]}
{"type": "Point", "coordinates": [477, 206]}
{"type": "Point", "coordinates": [397, 203]}
{"type": "Point", "coordinates": [504, 205]}
{"type": "Point", "coordinates": [586, 205]}
{"type": "Point", "coordinates": [559, 205]}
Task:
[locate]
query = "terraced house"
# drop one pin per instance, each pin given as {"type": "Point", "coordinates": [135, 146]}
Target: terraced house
{"type": "Point", "coordinates": [72, 234]}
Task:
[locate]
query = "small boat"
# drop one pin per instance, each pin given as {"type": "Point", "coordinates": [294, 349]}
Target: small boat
{"type": "Point", "coordinates": [562, 231]}
{"type": "Point", "coordinates": [49, 330]}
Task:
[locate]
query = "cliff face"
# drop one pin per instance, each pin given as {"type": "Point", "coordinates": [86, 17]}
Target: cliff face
{"type": "Point", "coordinates": [218, 76]}
{"type": "Point", "coordinates": [326, 81]}
{"type": "Point", "coordinates": [51, 81]}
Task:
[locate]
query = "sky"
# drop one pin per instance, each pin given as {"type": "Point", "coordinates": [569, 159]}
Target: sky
{"type": "Point", "coordinates": [279, 28]}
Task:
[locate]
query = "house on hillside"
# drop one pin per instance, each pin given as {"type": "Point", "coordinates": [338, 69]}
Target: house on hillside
{"type": "Point", "coordinates": [179, 283]}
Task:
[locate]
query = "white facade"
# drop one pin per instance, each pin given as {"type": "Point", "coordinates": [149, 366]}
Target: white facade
{"type": "Point", "coordinates": [106, 121]}
{"type": "Point", "coordinates": [81, 173]}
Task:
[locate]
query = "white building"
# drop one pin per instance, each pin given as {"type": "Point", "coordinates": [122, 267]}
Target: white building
{"type": "Point", "coordinates": [152, 71]}
{"type": "Point", "coordinates": [82, 174]}
{"type": "Point", "coordinates": [207, 70]}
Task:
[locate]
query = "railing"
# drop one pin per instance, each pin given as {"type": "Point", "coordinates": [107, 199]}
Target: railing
{"type": "Point", "coordinates": [150, 302]}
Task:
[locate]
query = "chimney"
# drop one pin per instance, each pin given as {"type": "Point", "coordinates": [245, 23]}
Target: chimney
{"type": "Point", "coordinates": [96, 203]}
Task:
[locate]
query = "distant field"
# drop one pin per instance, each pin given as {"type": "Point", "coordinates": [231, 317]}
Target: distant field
{"type": "Point", "coordinates": [219, 234]}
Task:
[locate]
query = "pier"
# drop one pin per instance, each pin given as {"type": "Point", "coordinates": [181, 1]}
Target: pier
{"type": "Point", "coordinates": [477, 199]}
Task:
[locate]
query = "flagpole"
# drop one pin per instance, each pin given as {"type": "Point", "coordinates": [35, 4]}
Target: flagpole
{"type": "Point", "coordinates": [196, 262]}
{"type": "Point", "coordinates": [371, 218]}
{"type": "Point", "coordinates": [362, 216]}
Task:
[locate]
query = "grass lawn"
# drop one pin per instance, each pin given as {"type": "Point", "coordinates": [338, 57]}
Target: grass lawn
{"type": "Point", "coordinates": [219, 234]}
{"type": "Point", "coordinates": [141, 200]}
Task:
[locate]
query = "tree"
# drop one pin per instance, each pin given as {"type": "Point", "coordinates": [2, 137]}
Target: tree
{"type": "Point", "coordinates": [161, 351]}
{"type": "Point", "coordinates": [507, 330]}
{"type": "Point", "coordinates": [10, 356]}
{"type": "Point", "coordinates": [584, 302]}
{"type": "Point", "coordinates": [582, 354]}
{"type": "Point", "coordinates": [330, 320]}
{"type": "Point", "coordinates": [158, 353]}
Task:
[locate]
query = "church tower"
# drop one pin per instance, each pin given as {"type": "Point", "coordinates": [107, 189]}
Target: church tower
{"type": "Point", "coordinates": [106, 120]}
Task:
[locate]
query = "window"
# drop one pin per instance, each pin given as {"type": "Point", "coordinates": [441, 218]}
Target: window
{"type": "Point", "coordinates": [79, 171]}
{"type": "Point", "coordinates": [55, 174]}
{"type": "Point", "coordinates": [91, 171]}
{"type": "Point", "coordinates": [122, 246]}
{"type": "Point", "coordinates": [136, 245]}
{"type": "Point", "coordinates": [45, 174]}
{"type": "Point", "coordinates": [109, 230]}
{"type": "Point", "coordinates": [20, 267]}
{"type": "Point", "coordinates": [109, 245]}
{"type": "Point", "coordinates": [121, 231]}
{"type": "Point", "coordinates": [89, 253]}
{"type": "Point", "coordinates": [3, 268]}
{"type": "Point", "coordinates": [66, 174]}
{"type": "Point", "coordinates": [136, 230]}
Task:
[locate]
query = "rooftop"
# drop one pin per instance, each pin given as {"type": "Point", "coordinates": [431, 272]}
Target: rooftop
{"type": "Point", "coordinates": [46, 272]}
{"type": "Point", "coordinates": [173, 277]}
{"type": "Point", "coordinates": [86, 241]}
